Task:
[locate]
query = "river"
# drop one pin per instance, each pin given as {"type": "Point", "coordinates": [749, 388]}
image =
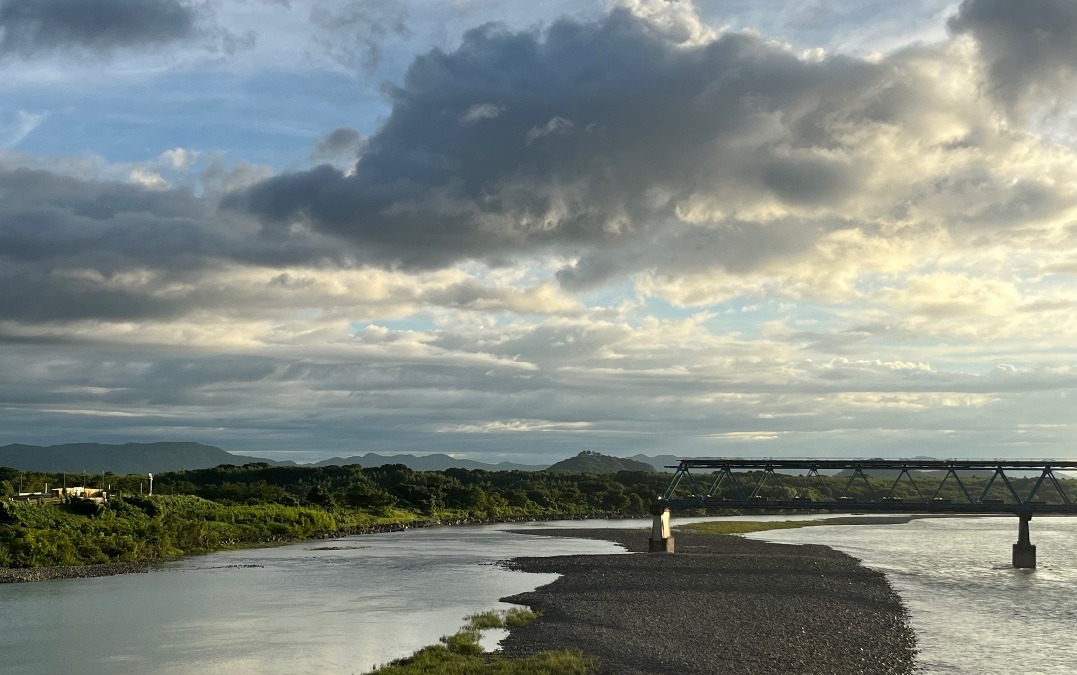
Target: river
{"type": "Point", "coordinates": [972, 612]}
{"type": "Point", "coordinates": [346, 605]}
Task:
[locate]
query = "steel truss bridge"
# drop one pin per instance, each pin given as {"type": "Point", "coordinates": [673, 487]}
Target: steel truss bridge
{"type": "Point", "coordinates": [734, 483]}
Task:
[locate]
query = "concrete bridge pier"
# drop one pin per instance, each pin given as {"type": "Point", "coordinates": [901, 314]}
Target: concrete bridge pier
{"type": "Point", "coordinates": [661, 540]}
{"type": "Point", "coordinates": [1024, 552]}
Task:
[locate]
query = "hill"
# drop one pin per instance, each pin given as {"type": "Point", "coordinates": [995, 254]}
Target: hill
{"type": "Point", "coordinates": [126, 458]}
{"type": "Point", "coordinates": [659, 462]}
{"type": "Point", "coordinates": [594, 462]}
{"type": "Point", "coordinates": [434, 462]}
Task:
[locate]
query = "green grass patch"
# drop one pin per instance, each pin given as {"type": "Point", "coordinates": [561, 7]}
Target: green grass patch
{"type": "Point", "coordinates": [440, 660]}
{"type": "Point", "coordinates": [747, 526]}
{"type": "Point", "coordinates": [512, 618]}
{"type": "Point", "coordinates": [461, 653]}
{"type": "Point", "coordinates": [520, 616]}
{"type": "Point", "coordinates": [483, 620]}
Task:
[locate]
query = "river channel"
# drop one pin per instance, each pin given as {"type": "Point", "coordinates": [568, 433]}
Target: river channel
{"type": "Point", "coordinates": [347, 605]}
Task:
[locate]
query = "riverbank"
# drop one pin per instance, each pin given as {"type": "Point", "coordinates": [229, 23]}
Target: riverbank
{"type": "Point", "coordinates": [10, 575]}
{"type": "Point", "coordinates": [721, 604]}
{"type": "Point", "coordinates": [53, 572]}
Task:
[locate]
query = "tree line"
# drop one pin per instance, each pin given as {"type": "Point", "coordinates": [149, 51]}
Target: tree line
{"type": "Point", "coordinates": [236, 506]}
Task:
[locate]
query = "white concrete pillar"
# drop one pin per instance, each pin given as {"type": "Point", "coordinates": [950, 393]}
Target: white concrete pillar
{"type": "Point", "coordinates": [661, 536]}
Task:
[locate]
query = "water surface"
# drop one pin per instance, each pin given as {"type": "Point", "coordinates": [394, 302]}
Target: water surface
{"type": "Point", "coordinates": [293, 609]}
{"type": "Point", "coordinates": [972, 612]}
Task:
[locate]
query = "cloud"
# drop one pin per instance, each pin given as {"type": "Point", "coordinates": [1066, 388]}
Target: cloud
{"type": "Point", "coordinates": [74, 248]}
{"type": "Point", "coordinates": [32, 28]}
{"type": "Point", "coordinates": [1029, 48]}
{"type": "Point", "coordinates": [602, 233]}
{"type": "Point", "coordinates": [556, 126]}
{"type": "Point", "coordinates": [481, 111]}
{"type": "Point", "coordinates": [352, 33]}
{"type": "Point", "coordinates": [29, 27]}
{"type": "Point", "coordinates": [178, 159]}
{"type": "Point", "coordinates": [644, 142]}
{"type": "Point", "coordinates": [339, 145]}
{"type": "Point", "coordinates": [147, 178]}
{"type": "Point", "coordinates": [604, 132]}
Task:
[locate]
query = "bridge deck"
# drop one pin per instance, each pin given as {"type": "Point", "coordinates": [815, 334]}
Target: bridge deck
{"type": "Point", "coordinates": [731, 472]}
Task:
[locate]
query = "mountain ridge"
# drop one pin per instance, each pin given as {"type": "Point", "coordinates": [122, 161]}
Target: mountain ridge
{"type": "Point", "coordinates": [157, 457]}
{"type": "Point", "coordinates": [163, 456]}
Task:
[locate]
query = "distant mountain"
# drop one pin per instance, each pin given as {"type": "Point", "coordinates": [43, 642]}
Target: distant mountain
{"type": "Point", "coordinates": [126, 458]}
{"type": "Point", "coordinates": [594, 462]}
{"type": "Point", "coordinates": [173, 456]}
{"type": "Point", "coordinates": [435, 462]}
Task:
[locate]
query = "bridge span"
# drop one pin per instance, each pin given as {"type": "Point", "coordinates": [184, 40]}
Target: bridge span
{"type": "Point", "coordinates": [959, 486]}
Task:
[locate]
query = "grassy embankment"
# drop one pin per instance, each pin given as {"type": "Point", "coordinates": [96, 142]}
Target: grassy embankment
{"type": "Point", "coordinates": [150, 528]}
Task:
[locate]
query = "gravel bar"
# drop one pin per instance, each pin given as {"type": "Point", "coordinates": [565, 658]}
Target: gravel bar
{"type": "Point", "coordinates": [721, 604]}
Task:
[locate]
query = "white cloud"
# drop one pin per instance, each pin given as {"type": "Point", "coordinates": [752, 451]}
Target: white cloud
{"type": "Point", "coordinates": [147, 178]}
{"type": "Point", "coordinates": [481, 111]}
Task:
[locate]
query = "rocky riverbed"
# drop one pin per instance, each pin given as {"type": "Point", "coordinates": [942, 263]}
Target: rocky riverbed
{"type": "Point", "coordinates": [721, 604]}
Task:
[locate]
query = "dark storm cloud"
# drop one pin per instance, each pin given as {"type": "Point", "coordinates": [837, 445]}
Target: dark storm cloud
{"type": "Point", "coordinates": [597, 134]}
{"type": "Point", "coordinates": [73, 248]}
{"type": "Point", "coordinates": [339, 144]}
{"type": "Point", "coordinates": [31, 26]}
{"type": "Point", "coordinates": [1029, 47]}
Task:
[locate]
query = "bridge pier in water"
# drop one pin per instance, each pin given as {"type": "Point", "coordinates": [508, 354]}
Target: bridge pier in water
{"type": "Point", "coordinates": [1024, 551]}
{"type": "Point", "coordinates": [661, 540]}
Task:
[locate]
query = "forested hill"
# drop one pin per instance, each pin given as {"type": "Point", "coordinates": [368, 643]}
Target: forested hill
{"type": "Point", "coordinates": [434, 462]}
{"type": "Point", "coordinates": [120, 459]}
{"type": "Point", "coordinates": [594, 462]}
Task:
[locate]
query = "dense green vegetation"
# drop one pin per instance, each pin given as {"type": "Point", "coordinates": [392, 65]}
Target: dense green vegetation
{"type": "Point", "coordinates": [461, 653]}
{"type": "Point", "coordinates": [145, 528]}
{"type": "Point", "coordinates": [230, 506]}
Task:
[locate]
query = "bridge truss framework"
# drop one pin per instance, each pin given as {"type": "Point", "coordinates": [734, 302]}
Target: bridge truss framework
{"type": "Point", "coordinates": [748, 491]}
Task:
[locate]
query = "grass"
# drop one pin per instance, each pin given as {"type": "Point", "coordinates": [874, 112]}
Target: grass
{"type": "Point", "coordinates": [734, 527]}
{"type": "Point", "coordinates": [513, 618]}
{"type": "Point", "coordinates": [461, 653]}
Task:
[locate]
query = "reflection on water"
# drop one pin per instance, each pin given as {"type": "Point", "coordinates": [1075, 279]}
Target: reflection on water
{"type": "Point", "coordinates": [972, 612]}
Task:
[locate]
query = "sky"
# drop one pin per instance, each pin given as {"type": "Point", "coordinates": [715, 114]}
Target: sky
{"type": "Point", "coordinates": [513, 231]}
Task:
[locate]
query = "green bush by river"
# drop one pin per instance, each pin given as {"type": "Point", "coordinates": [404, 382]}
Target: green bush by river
{"type": "Point", "coordinates": [162, 526]}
